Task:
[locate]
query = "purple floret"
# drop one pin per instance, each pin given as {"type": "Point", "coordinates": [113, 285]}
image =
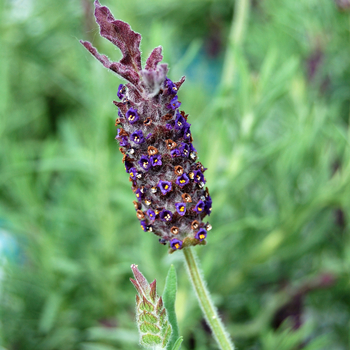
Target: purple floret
{"type": "Point", "coordinates": [137, 137]}
{"type": "Point", "coordinates": [187, 133]}
{"type": "Point", "coordinates": [121, 91]}
{"type": "Point", "coordinates": [132, 116]}
{"type": "Point", "coordinates": [201, 234]}
{"type": "Point", "coordinates": [208, 204]}
{"type": "Point", "coordinates": [166, 215]}
{"type": "Point", "coordinates": [171, 86]}
{"type": "Point", "coordinates": [181, 208]}
{"type": "Point", "coordinates": [182, 180]}
{"type": "Point", "coordinates": [175, 153]}
{"type": "Point", "coordinates": [180, 122]}
{"type": "Point", "coordinates": [174, 103]}
{"type": "Point", "coordinates": [198, 176]}
{"type": "Point", "coordinates": [175, 244]}
{"type": "Point", "coordinates": [165, 186]}
{"type": "Point", "coordinates": [139, 194]}
{"type": "Point", "coordinates": [184, 149]}
{"type": "Point", "coordinates": [199, 207]}
{"type": "Point", "coordinates": [145, 162]}
{"type": "Point", "coordinates": [128, 166]}
{"type": "Point", "coordinates": [156, 160]}
{"type": "Point", "coordinates": [151, 214]}
{"type": "Point", "coordinates": [143, 225]}
{"type": "Point", "coordinates": [133, 173]}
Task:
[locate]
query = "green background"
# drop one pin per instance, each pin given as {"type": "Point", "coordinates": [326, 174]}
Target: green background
{"type": "Point", "coordinates": [268, 95]}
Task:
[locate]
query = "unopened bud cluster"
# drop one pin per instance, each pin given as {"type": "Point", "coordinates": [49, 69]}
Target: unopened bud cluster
{"type": "Point", "coordinates": [156, 141]}
{"type": "Point", "coordinates": [151, 315]}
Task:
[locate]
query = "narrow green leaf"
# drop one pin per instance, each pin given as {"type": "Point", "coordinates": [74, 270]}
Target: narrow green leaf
{"type": "Point", "coordinates": [177, 345]}
{"type": "Point", "coordinates": [169, 296]}
{"type": "Point", "coordinates": [50, 311]}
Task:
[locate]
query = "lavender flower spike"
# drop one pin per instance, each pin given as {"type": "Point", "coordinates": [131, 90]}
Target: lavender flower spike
{"type": "Point", "coordinates": [155, 140]}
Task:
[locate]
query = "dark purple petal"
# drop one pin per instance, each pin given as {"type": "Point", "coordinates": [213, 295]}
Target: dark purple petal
{"type": "Point", "coordinates": [175, 244]}
{"type": "Point", "coordinates": [166, 215]}
{"type": "Point", "coordinates": [199, 208]}
{"type": "Point", "coordinates": [121, 91]}
{"type": "Point", "coordinates": [186, 133]}
{"type": "Point", "coordinates": [145, 162]}
{"type": "Point", "coordinates": [182, 180]}
{"type": "Point", "coordinates": [165, 186]}
{"type": "Point", "coordinates": [137, 137]}
{"type": "Point", "coordinates": [175, 153]}
{"type": "Point", "coordinates": [123, 140]}
{"type": "Point", "coordinates": [143, 225]}
{"type": "Point", "coordinates": [192, 149]}
{"type": "Point", "coordinates": [174, 103]}
{"type": "Point", "coordinates": [139, 194]}
{"type": "Point", "coordinates": [181, 208]}
{"type": "Point", "coordinates": [208, 204]}
{"type": "Point", "coordinates": [198, 176]}
{"type": "Point", "coordinates": [133, 173]}
{"type": "Point", "coordinates": [180, 122]}
{"type": "Point", "coordinates": [172, 89]}
{"type": "Point", "coordinates": [132, 116]}
{"type": "Point", "coordinates": [201, 234]}
{"type": "Point", "coordinates": [184, 149]}
{"type": "Point", "coordinates": [156, 160]}
{"type": "Point", "coordinates": [151, 214]}
{"type": "Point", "coordinates": [128, 166]}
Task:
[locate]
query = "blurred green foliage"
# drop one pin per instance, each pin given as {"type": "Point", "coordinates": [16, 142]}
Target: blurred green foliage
{"type": "Point", "coordinates": [272, 127]}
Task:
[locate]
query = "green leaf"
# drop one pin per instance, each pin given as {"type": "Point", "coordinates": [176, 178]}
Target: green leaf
{"type": "Point", "coordinates": [169, 296]}
{"type": "Point", "coordinates": [149, 327]}
{"type": "Point", "coordinates": [50, 312]}
{"type": "Point", "coordinates": [150, 340]}
{"type": "Point", "coordinates": [147, 317]}
{"type": "Point", "coordinates": [167, 335]}
{"type": "Point", "coordinates": [177, 345]}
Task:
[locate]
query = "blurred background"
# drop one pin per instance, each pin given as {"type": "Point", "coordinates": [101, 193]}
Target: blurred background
{"type": "Point", "coordinates": [268, 97]}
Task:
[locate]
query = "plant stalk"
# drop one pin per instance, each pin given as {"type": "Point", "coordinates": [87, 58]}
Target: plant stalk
{"type": "Point", "coordinates": [204, 298]}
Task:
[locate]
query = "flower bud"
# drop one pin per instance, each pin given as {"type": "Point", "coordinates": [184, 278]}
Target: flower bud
{"type": "Point", "coordinates": [151, 316]}
{"type": "Point", "coordinates": [156, 141]}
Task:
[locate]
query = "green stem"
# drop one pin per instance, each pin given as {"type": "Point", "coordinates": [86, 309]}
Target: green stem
{"type": "Point", "coordinates": [203, 295]}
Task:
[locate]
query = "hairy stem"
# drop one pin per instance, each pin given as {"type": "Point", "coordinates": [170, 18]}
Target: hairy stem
{"type": "Point", "coordinates": [204, 298]}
